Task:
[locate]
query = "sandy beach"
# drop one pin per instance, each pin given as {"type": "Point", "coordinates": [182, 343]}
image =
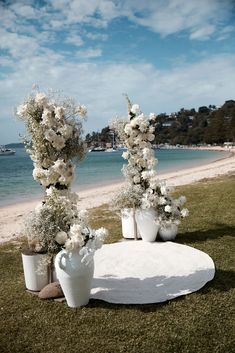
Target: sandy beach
{"type": "Point", "coordinates": [12, 216]}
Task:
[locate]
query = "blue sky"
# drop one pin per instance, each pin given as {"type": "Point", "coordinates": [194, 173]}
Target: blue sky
{"type": "Point", "coordinates": [166, 54]}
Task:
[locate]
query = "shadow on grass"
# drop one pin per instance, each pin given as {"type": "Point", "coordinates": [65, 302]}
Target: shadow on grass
{"type": "Point", "coordinates": [219, 231]}
{"type": "Point", "coordinates": [222, 282]}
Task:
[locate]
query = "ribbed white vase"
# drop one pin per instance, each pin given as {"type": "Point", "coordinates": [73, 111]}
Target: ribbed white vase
{"type": "Point", "coordinates": [35, 280]}
{"type": "Point", "coordinates": [128, 224]}
{"type": "Point", "coordinates": [145, 219]}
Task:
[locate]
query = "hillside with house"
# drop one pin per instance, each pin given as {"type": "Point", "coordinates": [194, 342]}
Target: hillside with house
{"type": "Point", "coordinates": [206, 125]}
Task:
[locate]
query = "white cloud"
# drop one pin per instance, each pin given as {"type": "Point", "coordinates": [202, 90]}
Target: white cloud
{"type": "Point", "coordinates": [94, 12]}
{"type": "Point", "coordinates": [97, 36]}
{"type": "Point", "coordinates": [173, 16]}
{"type": "Point", "coordinates": [89, 53]}
{"type": "Point", "coordinates": [100, 86]}
{"type": "Point", "coordinates": [203, 33]}
{"type": "Point", "coordinates": [24, 10]}
{"type": "Point", "coordinates": [74, 39]}
{"type": "Point", "coordinates": [225, 32]}
{"type": "Point", "coordinates": [18, 44]}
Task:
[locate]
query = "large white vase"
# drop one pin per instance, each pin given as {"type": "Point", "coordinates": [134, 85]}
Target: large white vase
{"type": "Point", "coordinates": [75, 277]}
{"type": "Point", "coordinates": [35, 280]}
{"type": "Point", "coordinates": [168, 231]}
{"type": "Point", "coordinates": [128, 224]}
{"type": "Point", "coordinates": [145, 219]}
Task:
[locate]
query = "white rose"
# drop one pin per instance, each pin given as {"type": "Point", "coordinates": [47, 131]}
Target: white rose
{"type": "Point", "coordinates": [125, 155]}
{"type": "Point", "coordinates": [21, 110]}
{"type": "Point", "coordinates": [135, 108]}
{"type": "Point", "coordinates": [152, 116]}
{"type": "Point", "coordinates": [50, 135]}
{"type": "Point", "coordinates": [134, 122]}
{"type": "Point", "coordinates": [168, 209]}
{"type": "Point", "coordinates": [41, 98]}
{"type": "Point", "coordinates": [81, 109]}
{"type": "Point", "coordinates": [143, 126]}
{"type": "Point", "coordinates": [136, 179]}
{"type": "Point", "coordinates": [66, 131]}
{"type": "Point", "coordinates": [184, 212]}
{"type": "Point", "coordinates": [58, 143]}
{"type": "Point", "coordinates": [128, 129]}
{"type": "Point", "coordinates": [162, 200]}
{"type": "Point", "coordinates": [59, 113]}
{"type": "Point", "coordinates": [151, 137]}
{"type": "Point", "coordinates": [61, 237]}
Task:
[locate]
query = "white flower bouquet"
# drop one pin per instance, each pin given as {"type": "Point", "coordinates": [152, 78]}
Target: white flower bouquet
{"type": "Point", "coordinates": [55, 129]}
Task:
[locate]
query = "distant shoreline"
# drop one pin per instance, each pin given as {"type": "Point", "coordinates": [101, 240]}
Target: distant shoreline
{"type": "Point", "coordinates": [82, 184]}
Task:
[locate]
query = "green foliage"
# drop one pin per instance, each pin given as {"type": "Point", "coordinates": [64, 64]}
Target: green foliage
{"type": "Point", "coordinates": [200, 322]}
{"type": "Point", "coordinates": [207, 125]}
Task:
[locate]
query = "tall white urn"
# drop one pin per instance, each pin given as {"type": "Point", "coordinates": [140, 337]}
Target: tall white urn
{"type": "Point", "coordinates": [145, 219]}
{"type": "Point", "coordinates": [35, 271]}
{"type": "Point", "coordinates": [129, 227]}
{"type": "Point", "coordinates": [75, 277]}
{"type": "Point", "coordinates": [168, 231]}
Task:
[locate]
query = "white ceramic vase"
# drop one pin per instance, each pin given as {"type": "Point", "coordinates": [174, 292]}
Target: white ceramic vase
{"type": "Point", "coordinates": [75, 277]}
{"type": "Point", "coordinates": [35, 280]}
{"type": "Point", "coordinates": [128, 224]}
{"type": "Point", "coordinates": [145, 219]}
{"type": "Point", "coordinates": [168, 231]}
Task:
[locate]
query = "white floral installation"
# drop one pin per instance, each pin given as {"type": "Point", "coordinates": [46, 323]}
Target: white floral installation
{"type": "Point", "coordinates": [55, 139]}
{"type": "Point", "coordinates": [143, 188]}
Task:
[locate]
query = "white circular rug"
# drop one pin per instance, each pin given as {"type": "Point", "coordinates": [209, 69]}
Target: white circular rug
{"type": "Point", "coordinates": [137, 272]}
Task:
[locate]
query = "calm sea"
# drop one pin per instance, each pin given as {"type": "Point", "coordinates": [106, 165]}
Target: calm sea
{"type": "Point", "coordinates": [99, 168]}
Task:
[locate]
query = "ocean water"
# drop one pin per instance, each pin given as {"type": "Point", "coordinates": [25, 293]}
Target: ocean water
{"type": "Point", "coordinates": [98, 168]}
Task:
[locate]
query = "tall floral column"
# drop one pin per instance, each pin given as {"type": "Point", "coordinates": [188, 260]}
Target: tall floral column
{"type": "Point", "coordinates": [54, 141]}
{"type": "Point", "coordinates": [143, 190]}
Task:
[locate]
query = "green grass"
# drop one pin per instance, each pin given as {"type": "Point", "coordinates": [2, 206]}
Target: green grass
{"type": "Point", "coordinates": [203, 321]}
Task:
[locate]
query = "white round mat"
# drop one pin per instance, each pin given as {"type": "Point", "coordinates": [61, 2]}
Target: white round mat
{"type": "Point", "coordinates": [137, 272]}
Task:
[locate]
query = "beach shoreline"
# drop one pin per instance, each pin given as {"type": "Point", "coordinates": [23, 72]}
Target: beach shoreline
{"type": "Point", "coordinates": [12, 215]}
{"type": "Point", "coordinates": [37, 194]}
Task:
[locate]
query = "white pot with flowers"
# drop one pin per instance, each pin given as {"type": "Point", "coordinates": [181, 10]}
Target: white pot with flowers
{"type": "Point", "coordinates": [170, 211]}
{"type": "Point", "coordinates": [54, 126]}
{"type": "Point", "coordinates": [74, 264]}
{"type": "Point", "coordinates": [126, 201]}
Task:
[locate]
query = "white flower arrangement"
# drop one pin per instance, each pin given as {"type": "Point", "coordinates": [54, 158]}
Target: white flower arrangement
{"type": "Point", "coordinates": [58, 223]}
{"type": "Point", "coordinates": [55, 129]}
{"type": "Point", "coordinates": [143, 187]}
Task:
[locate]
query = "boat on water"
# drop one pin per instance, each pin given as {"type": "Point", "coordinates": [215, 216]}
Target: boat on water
{"type": "Point", "coordinates": [97, 149]}
{"type": "Point", "coordinates": [6, 151]}
{"type": "Point", "coordinates": [111, 149]}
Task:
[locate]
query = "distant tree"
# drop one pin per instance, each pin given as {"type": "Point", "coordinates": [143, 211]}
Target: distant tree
{"type": "Point", "coordinates": [203, 110]}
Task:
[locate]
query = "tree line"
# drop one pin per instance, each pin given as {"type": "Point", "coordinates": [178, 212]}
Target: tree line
{"type": "Point", "coordinates": [207, 125]}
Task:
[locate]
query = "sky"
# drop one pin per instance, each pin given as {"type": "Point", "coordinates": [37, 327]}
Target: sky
{"type": "Point", "coordinates": [165, 54]}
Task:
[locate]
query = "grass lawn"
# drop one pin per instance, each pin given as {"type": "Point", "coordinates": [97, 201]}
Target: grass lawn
{"type": "Point", "coordinates": [203, 321]}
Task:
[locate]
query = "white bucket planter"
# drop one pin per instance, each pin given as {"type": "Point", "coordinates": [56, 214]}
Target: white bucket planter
{"type": "Point", "coordinates": [145, 219]}
{"type": "Point", "coordinates": [75, 277]}
{"type": "Point", "coordinates": [34, 280]}
{"type": "Point", "coordinates": [168, 232]}
{"type": "Point", "coordinates": [128, 224]}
